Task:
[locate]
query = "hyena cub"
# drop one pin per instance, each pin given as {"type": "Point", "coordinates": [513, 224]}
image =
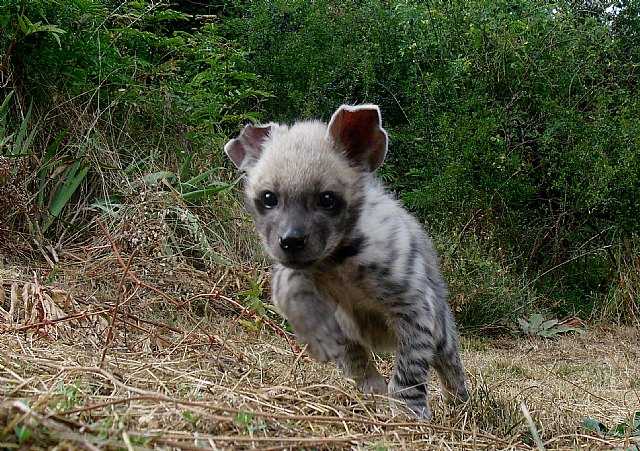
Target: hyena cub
{"type": "Point", "coordinates": [354, 271]}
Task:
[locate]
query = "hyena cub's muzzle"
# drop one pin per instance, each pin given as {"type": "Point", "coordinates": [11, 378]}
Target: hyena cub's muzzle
{"type": "Point", "coordinates": [293, 240]}
{"type": "Point", "coordinates": [292, 245]}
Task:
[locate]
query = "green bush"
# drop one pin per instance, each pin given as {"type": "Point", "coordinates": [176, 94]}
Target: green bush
{"type": "Point", "coordinates": [514, 126]}
{"type": "Point", "coordinates": [513, 123]}
{"type": "Point", "coordinates": [120, 92]}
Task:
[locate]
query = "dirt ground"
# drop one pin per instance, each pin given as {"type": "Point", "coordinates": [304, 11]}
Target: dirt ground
{"type": "Point", "coordinates": [112, 352]}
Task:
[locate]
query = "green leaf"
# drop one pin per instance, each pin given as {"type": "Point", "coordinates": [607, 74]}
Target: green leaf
{"type": "Point", "coordinates": [186, 164]}
{"type": "Point", "coordinates": [20, 148]}
{"type": "Point", "coordinates": [249, 325]}
{"type": "Point", "coordinates": [155, 177]}
{"type": "Point", "coordinates": [194, 195]}
{"type": "Point", "coordinates": [23, 433]}
{"type": "Point", "coordinates": [535, 321]}
{"type": "Point", "coordinates": [3, 114]}
{"type": "Point", "coordinates": [53, 29]}
{"type": "Point", "coordinates": [51, 150]}
{"type": "Point", "coordinates": [56, 36]}
{"type": "Point", "coordinates": [198, 178]}
{"type": "Point", "coordinates": [63, 194]}
{"type": "Point", "coordinates": [110, 204]}
{"type": "Point", "coordinates": [4, 20]}
{"type": "Point", "coordinates": [23, 25]}
{"type": "Point", "coordinates": [549, 324]}
{"type": "Point", "coordinates": [592, 425]}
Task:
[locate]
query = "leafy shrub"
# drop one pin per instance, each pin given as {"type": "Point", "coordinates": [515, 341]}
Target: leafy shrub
{"type": "Point", "coordinates": [513, 123]}
{"type": "Point", "coordinates": [120, 92]}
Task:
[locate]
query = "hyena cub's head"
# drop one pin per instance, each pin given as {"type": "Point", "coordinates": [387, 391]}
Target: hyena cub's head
{"type": "Point", "coordinates": [305, 183]}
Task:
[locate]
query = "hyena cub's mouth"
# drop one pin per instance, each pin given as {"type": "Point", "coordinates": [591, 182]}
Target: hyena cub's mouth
{"type": "Point", "coordinates": [298, 264]}
{"type": "Point", "coordinates": [295, 259]}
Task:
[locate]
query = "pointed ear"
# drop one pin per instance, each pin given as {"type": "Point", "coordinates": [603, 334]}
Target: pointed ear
{"type": "Point", "coordinates": [358, 132]}
{"type": "Point", "coordinates": [247, 147]}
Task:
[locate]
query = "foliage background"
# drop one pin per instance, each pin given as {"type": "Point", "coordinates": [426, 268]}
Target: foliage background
{"type": "Point", "coordinates": [515, 129]}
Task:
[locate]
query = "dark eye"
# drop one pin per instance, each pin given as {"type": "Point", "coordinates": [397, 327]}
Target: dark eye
{"type": "Point", "coordinates": [327, 201]}
{"type": "Point", "coordinates": [269, 199]}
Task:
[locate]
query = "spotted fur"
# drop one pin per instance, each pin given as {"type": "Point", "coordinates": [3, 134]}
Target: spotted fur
{"type": "Point", "coordinates": [354, 271]}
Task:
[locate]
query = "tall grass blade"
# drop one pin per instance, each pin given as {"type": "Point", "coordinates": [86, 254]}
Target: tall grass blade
{"type": "Point", "coordinates": [45, 165]}
{"type": "Point", "coordinates": [532, 427]}
{"type": "Point", "coordinates": [4, 108]}
{"type": "Point", "coordinates": [21, 149]}
{"type": "Point", "coordinates": [63, 194]}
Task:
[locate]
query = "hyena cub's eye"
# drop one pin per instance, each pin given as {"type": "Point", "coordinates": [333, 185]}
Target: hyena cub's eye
{"type": "Point", "coordinates": [327, 201]}
{"type": "Point", "coordinates": [269, 199]}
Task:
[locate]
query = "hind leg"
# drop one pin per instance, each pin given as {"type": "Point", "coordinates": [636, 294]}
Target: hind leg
{"type": "Point", "coordinates": [356, 364]}
{"type": "Point", "coordinates": [448, 365]}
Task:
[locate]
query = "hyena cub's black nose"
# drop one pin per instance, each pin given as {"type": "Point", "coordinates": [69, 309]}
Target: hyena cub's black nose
{"type": "Point", "coordinates": [293, 240]}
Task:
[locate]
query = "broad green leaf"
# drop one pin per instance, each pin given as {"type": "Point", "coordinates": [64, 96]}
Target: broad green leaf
{"type": "Point", "coordinates": [23, 433]}
{"type": "Point", "coordinates": [63, 194]}
{"type": "Point", "coordinates": [200, 193]}
{"type": "Point", "coordinates": [109, 204]}
{"type": "Point", "coordinates": [198, 178]}
{"type": "Point", "coordinates": [53, 29]}
{"type": "Point", "coordinates": [535, 321]}
{"type": "Point", "coordinates": [23, 25]}
{"type": "Point", "coordinates": [594, 426]}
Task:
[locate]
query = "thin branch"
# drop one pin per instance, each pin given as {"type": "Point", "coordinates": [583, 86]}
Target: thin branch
{"type": "Point", "coordinates": [115, 310]}
{"type": "Point", "coordinates": [12, 43]}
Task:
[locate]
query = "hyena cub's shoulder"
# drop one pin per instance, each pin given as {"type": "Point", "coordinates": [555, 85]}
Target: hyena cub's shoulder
{"type": "Point", "coordinates": [354, 271]}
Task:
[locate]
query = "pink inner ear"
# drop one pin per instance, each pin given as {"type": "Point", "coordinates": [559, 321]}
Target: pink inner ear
{"type": "Point", "coordinates": [255, 135]}
{"type": "Point", "coordinates": [235, 151]}
{"type": "Point", "coordinates": [248, 146]}
{"type": "Point", "coordinates": [358, 129]}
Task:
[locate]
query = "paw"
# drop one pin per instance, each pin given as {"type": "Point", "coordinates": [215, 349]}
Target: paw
{"type": "Point", "coordinates": [326, 348]}
{"type": "Point", "coordinates": [460, 396]}
{"type": "Point", "coordinates": [420, 412]}
{"type": "Point", "coordinates": [411, 400]}
{"type": "Point", "coordinates": [373, 384]}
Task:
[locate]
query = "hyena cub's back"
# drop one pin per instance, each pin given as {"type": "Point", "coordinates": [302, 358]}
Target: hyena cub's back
{"type": "Point", "coordinates": [354, 271]}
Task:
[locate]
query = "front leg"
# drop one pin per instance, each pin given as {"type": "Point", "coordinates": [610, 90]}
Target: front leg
{"type": "Point", "coordinates": [414, 355]}
{"type": "Point", "coordinates": [356, 364]}
{"type": "Point", "coordinates": [309, 313]}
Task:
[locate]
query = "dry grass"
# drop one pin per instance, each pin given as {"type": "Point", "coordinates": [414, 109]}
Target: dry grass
{"type": "Point", "coordinates": [119, 351]}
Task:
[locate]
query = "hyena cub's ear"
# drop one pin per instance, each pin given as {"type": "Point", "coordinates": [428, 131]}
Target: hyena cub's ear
{"type": "Point", "coordinates": [358, 130]}
{"type": "Point", "coordinates": [247, 147]}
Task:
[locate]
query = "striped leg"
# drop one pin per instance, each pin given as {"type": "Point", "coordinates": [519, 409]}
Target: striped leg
{"type": "Point", "coordinates": [411, 373]}
{"type": "Point", "coordinates": [309, 314]}
{"type": "Point", "coordinates": [448, 365]}
{"type": "Point", "coordinates": [356, 364]}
